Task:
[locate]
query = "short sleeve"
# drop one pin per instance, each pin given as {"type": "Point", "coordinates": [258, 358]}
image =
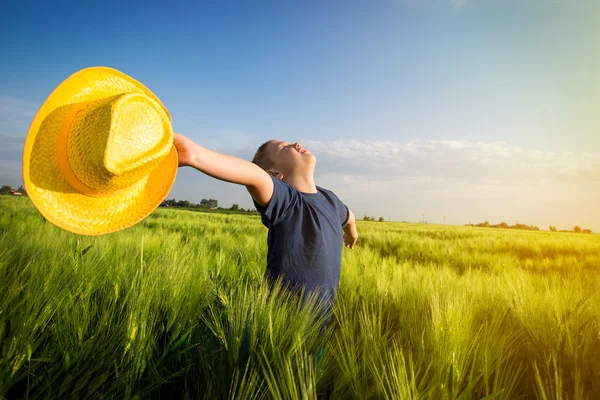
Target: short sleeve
{"type": "Point", "coordinates": [339, 206]}
{"type": "Point", "coordinates": [343, 211]}
{"type": "Point", "coordinates": [284, 198]}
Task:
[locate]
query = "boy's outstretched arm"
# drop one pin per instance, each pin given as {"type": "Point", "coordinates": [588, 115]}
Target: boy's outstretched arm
{"type": "Point", "coordinates": [226, 168]}
{"type": "Point", "coordinates": [350, 234]}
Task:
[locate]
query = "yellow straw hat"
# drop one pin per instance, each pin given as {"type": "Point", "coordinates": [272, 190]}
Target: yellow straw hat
{"type": "Point", "coordinates": [99, 155]}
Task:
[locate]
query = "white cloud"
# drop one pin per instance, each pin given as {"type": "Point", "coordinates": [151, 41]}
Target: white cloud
{"type": "Point", "coordinates": [459, 3]}
{"type": "Point", "coordinates": [20, 107]}
{"type": "Point", "coordinates": [11, 151]}
{"type": "Point", "coordinates": [10, 173]}
{"type": "Point", "coordinates": [450, 159]}
{"type": "Point", "coordinates": [435, 3]}
{"type": "Point", "coordinates": [16, 115]}
{"type": "Point", "coordinates": [464, 181]}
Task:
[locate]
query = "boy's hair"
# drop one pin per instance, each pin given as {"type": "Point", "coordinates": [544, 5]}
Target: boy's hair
{"type": "Point", "coordinates": [261, 158]}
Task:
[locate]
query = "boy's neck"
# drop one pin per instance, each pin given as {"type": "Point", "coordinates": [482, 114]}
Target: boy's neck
{"type": "Point", "coordinates": [302, 183]}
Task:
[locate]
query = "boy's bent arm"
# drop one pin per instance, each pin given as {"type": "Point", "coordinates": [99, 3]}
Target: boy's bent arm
{"type": "Point", "coordinates": [350, 233]}
{"type": "Point", "coordinates": [226, 168]}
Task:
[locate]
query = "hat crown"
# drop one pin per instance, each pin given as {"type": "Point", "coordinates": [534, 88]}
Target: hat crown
{"type": "Point", "coordinates": [117, 141]}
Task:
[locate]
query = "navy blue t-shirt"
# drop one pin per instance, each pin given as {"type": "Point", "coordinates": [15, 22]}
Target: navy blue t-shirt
{"type": "Point", "coordinates": [305, 238]}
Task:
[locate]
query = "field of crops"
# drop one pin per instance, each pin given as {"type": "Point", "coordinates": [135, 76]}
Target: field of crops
{"type": "Point", "coordinates": [166, 308]}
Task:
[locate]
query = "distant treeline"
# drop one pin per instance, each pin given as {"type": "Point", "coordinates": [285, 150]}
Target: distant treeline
{"type": "Point", "coordinates": [504, 225]}
{"type": "Point", "coordinates": [368, 218]}
{"type": "Point", "coordinates": [207, 204]}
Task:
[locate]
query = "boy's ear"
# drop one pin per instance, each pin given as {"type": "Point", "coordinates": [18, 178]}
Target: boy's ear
{"type": "Point", "coordinates": [274, 173]}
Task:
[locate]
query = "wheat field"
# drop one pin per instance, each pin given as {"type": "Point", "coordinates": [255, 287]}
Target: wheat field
{"type": "Point", "coordinates": [176, 307]}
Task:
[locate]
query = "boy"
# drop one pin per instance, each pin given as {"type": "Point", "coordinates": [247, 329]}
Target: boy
{"type": "Point", "coordinates": [307, 224]}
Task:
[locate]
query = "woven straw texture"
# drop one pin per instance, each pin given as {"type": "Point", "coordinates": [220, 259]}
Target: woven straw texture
{"type": "Point", "coordinates": [115, 138]}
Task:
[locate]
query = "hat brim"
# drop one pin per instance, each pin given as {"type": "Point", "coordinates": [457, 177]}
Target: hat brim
{"type": "Point", "coordinates": [49, 191]}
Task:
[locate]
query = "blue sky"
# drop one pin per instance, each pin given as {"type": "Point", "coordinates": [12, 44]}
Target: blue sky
{"type": "Point", "coordinates": [465, 109]}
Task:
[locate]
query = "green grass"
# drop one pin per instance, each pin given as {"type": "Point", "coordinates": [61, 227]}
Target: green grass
{"type": "Point", "coordinates": [161, 310]}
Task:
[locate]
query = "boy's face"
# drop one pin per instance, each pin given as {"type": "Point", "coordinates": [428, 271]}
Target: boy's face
{"type": "Point", "coordinates": [290, 158]}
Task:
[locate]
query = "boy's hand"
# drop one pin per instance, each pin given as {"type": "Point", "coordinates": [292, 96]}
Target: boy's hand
{"type": "Point", "coordinates": [185, 150]}
{"type": "Point", "coordinates": [350, 240]}
{"type": "Point", "coordinates": [350, 233]}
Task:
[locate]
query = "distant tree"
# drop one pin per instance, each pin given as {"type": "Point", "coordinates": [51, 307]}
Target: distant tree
{"type": "Point", "coordinates": [504, 225]}
{"type": "Point", "coordinates": [22, 190]}
{"type": "Point", "coordinates": [576, 229]}
{"type": "Point", "coordinates": [588, 231]}
{"type": "Point", "coordinates": [380, 219]}
{"type": "Point", "coordinates": [235, 207]}
{"type": "Point", "coordinates": [5, 189]}
{"type": "Point", "coordinates": [209, 203]}
{"type": "Point", "coordinates": [553, 228]}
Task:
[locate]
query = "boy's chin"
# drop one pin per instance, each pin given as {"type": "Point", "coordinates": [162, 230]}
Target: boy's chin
{"type": "Point", "coordinates": [307, 162]}
{"type": "Point", "coordinates": [310, 157]}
